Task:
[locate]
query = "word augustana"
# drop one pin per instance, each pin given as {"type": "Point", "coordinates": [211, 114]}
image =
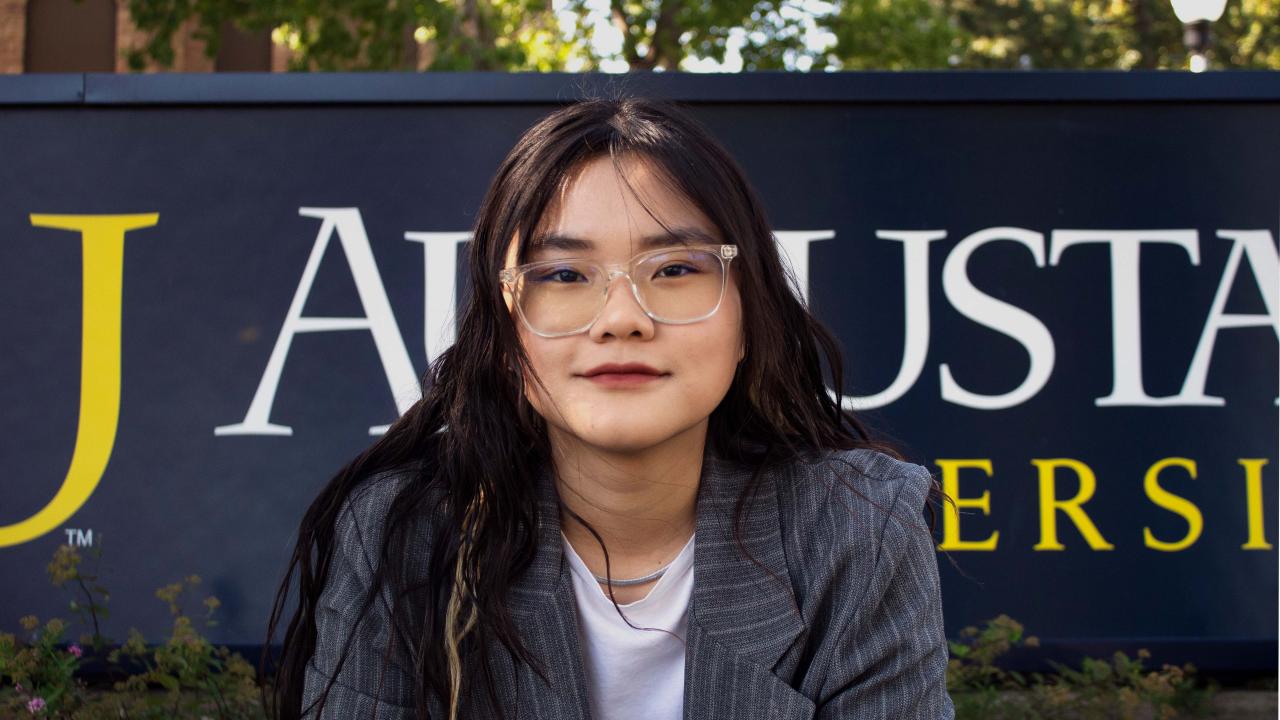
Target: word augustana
{"type": "Point", "coordinates": [440, 248]}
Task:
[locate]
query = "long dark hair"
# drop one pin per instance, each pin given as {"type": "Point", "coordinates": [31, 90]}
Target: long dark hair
{"type": "Point", "coordinates": [473, 441]}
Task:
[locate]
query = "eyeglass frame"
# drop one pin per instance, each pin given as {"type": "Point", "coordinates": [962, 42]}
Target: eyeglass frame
{"type": "Point", "coordinates": [724, 253]}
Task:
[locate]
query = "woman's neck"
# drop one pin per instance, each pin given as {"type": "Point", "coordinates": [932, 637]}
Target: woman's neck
{"type": "Point", "coordinates": [641, 503]}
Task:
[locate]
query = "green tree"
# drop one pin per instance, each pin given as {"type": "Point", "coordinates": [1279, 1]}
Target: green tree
{"type": "Point", "coordinates": [1249, 35]}
{"type": "Point", "coordinates": [1041, 34]}
{"type": "Point", "coordinates": [479, 34]}
{"type": "Point", "coordinates": [892, 35]}
{"type": "Point", "coordinates": [369, 34]}
{"type": "Point", "coordinates": [664, 34]}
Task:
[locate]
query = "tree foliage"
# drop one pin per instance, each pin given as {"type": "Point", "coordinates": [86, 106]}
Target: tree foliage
{"type": "Point", "coordinates": [766, 34]}
{"type": "Point", "coordinates": [662, 33]}
{"type": "Point", "coordinates": [368, 34]}
{"type": "Point", "coordinates": [1042, 34]}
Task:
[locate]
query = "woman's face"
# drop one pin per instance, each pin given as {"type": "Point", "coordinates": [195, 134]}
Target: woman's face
{"type": "Point", "coordinates": [696, 361]}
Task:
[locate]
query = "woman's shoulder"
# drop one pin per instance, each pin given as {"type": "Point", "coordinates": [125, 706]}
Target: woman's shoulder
{"type": "Point", "coordinates": [834, 480]}
{"type": "Point", "coordinates": [372, 495]}
{"type": "Point", "coordinates": [845, 504]}
{"type": "Point", "coordinates": [364, 512]}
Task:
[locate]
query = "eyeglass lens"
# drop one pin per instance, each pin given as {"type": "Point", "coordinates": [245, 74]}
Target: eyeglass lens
{"type": "Point", "coordinates": [676, 286]}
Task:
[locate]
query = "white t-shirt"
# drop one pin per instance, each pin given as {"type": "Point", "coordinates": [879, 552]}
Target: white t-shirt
{"type": "Point", "coordinates": [634, 674]}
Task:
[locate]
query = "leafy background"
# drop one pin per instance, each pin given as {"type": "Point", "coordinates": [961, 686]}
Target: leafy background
{"type": "Point", "coordinates": [539, 35]}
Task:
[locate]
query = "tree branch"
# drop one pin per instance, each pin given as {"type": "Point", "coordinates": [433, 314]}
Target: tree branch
{"type": "Point", "coordinates": [620, 20]}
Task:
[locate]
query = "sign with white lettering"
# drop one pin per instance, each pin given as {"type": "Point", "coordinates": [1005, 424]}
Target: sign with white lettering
{"type": "Point", "coordinates": [1066, 306]}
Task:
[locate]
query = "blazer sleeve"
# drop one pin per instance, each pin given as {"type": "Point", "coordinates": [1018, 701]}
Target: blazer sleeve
{"type": "Point", "coordinates": [893, 656]}
{"type": "Point", "coordinates": [355, 693]}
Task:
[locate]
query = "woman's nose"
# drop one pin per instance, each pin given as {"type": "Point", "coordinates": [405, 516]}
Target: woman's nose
{"type": "Point", "coordinates": [622, 315]}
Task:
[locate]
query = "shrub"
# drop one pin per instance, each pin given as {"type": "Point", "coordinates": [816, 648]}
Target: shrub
{"type": "Point", "coordinates": [1118, 689]}
{"type": "Point", "coordinates": [184, 676]}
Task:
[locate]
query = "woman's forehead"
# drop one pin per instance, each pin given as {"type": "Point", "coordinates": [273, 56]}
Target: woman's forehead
{"type": "Point", "coordinates": [596, 212]}
{"type": "Point", "coordinates": [597, 190]}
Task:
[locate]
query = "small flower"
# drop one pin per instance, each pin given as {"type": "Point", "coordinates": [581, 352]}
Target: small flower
{"type": "Point", "coordinates": [36, 705]}
{"type": "Point", "coordinates": [75, 650]}
{"type": "Point", "coordinates": [29, 622]}
{"type": "Point", "coordinates": [17, 687]}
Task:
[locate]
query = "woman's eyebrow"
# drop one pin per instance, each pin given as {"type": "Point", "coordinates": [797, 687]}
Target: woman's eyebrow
{"type": "Point", "coordinates": [677, 236]}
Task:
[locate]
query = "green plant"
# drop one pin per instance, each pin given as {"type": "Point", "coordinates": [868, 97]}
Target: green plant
{"type": "Point", "coordinates": [1117, 689]}
{"type": "Point", "coordinates": [200, 680]}
{"type": "Point", "coordinates": [43, 676]}
{"type": "Point", "coordinates": [194, 679]}
{"type": "Point", "coordinates": [64, 569]}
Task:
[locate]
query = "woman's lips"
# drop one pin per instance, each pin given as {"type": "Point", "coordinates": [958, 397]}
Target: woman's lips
{"type": "Point", "coordinates": [628, 374]}
{"type": "Point", "coordinates": [610, 379]}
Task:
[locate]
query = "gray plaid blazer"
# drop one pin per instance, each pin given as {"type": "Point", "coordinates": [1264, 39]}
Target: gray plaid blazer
{"type": "Point", "coordinates": [840, 618]}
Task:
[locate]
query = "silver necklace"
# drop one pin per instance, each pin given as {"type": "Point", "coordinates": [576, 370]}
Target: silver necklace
{"type": "Point", "coordinates": [633, 581]}
{"type": "Point", "coordinates": [624, 582]}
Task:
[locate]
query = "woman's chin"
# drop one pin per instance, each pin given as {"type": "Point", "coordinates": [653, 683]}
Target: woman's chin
{"type": "Point", "coordinates": [622, 434]}
{"type": "Point", "coordinates": [623, 442]}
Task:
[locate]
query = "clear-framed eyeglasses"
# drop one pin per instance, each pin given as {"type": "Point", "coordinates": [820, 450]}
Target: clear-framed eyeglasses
{"type": "Point", "coordinates": [677, 285]}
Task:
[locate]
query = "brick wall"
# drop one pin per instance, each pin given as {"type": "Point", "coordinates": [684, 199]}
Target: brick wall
{"type": "Point", "coordinates": [13, 37]}
{"type": "Point", "coordinates": [188, 52]}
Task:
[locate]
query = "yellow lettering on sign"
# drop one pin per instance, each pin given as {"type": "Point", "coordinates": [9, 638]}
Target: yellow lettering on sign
{"type": "Point", "coordinates": [102, 237]}
{"type": "Point", "coordinates": [1253, 503]}
{"type": "Point", "coordinates": [1173, 503]}
{"type": "Point", "coordinates": [1050, 505]}
{"type": "Point", "coordinates": [951, 520]}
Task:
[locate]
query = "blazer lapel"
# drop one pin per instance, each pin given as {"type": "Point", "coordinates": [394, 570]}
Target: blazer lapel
{"type": "Point", "coordinates": [545, 612]}
{"type": "Point", "coordinates": [743, 614]}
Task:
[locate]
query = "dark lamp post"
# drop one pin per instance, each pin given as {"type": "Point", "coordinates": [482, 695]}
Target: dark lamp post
{"type": "Point", "coordinates": [1196, 15]}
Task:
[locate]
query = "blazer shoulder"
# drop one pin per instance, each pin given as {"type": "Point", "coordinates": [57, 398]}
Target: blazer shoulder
{"type": "Point", "coordinates": [363, 514]}
{"type": "Point", "coordinates": [849, 482]}
{"type": "Point", "coordinates": [838, 506]}
{"type": "Point", "coordinates": [372, 495]}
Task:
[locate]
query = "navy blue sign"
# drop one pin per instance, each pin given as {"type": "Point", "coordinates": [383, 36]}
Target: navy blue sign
{"type": "Point", "coordinates": [1061, 293]}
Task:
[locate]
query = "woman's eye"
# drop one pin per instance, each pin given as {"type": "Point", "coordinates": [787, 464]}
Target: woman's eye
{"type": "Point", "coordinates": [676, 271]}
{"type": "Point", "coordinates": [561, 275]}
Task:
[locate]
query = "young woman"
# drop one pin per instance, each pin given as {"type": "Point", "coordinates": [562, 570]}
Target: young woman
{"type": "Point", "coordinates": [627, 492]}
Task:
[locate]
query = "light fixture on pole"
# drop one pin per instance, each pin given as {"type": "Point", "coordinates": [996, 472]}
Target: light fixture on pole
{"type": "Point", "coordinates": [1196, 15]}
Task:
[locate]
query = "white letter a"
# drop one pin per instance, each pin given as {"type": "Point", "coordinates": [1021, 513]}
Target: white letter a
{"type": "Point", "coordinates": [377, 319]}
